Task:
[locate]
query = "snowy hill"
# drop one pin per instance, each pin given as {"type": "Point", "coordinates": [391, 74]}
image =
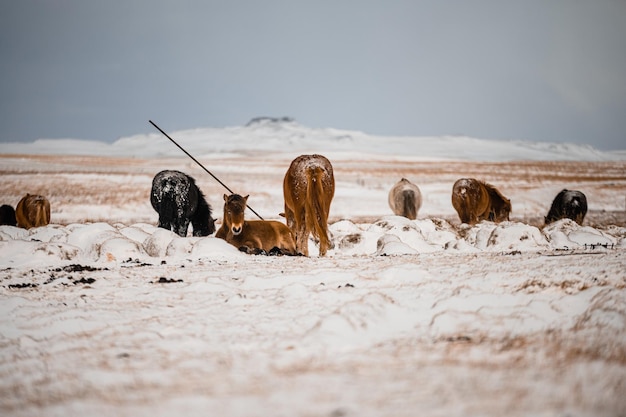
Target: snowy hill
{"type": "Point", "coordinates": [287, 136]}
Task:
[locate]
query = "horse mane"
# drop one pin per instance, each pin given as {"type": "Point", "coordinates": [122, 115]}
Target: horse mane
{"type": "Point", "coordinates": [237, 199]}
{"type": "Point", "coordinates": [498, 200]}
{"type": "Point", "coordinates": [494, 192]}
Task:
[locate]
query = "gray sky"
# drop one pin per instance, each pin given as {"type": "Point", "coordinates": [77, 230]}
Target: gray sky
{"type": "Point", "coordinates": [534, 69]}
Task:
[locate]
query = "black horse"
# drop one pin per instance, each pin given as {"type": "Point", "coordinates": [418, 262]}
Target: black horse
{"type": "Point", "coordinates": [179, 201]}
{"type": "Point", "coordinates": [7, 215]}
{"type": "Point", "coordinates": [568, 204]}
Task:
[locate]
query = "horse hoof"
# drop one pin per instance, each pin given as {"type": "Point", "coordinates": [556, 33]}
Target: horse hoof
{"type": "Point", "coordinates": [276, 251]}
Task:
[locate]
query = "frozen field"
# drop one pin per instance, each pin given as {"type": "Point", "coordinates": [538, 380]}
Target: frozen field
{"type": "Point", "coordinates": [102, 313]}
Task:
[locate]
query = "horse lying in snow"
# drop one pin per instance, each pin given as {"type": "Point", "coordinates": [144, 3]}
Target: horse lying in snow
{"type": "Point", "coordinates": [253, 236]}
{"type": "Point", "coordinates": [179, 201]}
{"type": "Point", "coordinates": [568, 204]}
{"type": "Point", "coordinates": [32, 211]}
{"type": "Point", "coordinates": [405, 199]}
{"type": "Point", "coordinates": [475, 201]}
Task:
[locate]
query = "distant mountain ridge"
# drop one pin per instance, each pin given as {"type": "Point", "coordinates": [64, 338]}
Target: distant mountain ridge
{"type": "Point", "coordinates": [285, 135]}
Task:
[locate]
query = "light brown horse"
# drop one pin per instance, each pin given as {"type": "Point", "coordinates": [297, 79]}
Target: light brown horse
{"type": "Point", "coordinates": [405, 199]}
{"type": "Point", "coordinates": [253, 236]}
{"type": "Point", "coordinates": [32, 211]}
{"type": "Point", "coordinates": [476, 200]}
{"type": "Point", "coordinates": [309, 187]}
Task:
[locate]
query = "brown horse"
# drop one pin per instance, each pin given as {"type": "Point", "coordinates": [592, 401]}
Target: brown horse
{"type": "Point", "coordinates": [405, 199]}
{"type": "Point", "coordinates": [309, 187]}
{"type": "Point", "coordinates": [476, 200]}
{"type": "Point", "coordinates": [253, 236]}
{"type": "Point", "coordinates": [32, 211]}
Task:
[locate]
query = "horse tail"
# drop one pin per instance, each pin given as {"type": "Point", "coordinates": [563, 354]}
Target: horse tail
{"type": "Point", "coordinates": [315, 215]}
{"type": "Point", "coordinates": [499, 205]}
{"type": "Point", "coordinates": [43, 212]}
{"type": "Point", "coordinates": [202, 220]}
{"type": "Point", "coordinates": [408, 204]}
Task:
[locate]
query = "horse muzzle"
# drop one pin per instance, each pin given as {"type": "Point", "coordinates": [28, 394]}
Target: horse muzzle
{"type": "Point", "coordinates": [236, 230]}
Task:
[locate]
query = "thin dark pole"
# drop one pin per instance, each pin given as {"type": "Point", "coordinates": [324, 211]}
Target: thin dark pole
{"type": "Point", "coordinates": [202, 166]}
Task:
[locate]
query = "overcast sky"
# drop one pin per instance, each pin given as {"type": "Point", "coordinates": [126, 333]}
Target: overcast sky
{"type": "Point", "coordinates": [540, 70]}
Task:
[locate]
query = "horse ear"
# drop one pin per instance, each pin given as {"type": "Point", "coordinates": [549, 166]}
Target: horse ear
{"type": "Point", "coordinates": [246, 197]}
{"type": "Point", "coordinates": [225, 197]}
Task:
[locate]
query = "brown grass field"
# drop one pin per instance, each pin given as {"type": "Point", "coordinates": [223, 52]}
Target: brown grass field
{"type": "Point", "coordinates": [121, 186]}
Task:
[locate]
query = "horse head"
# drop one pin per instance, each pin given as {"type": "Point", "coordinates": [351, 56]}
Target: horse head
{"type": "Point", "coordinates": [234, 209]}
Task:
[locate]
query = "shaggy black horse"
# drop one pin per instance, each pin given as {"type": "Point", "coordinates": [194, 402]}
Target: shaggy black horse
{"type": "Point", "coordinates": [179, 201]}
{"type": "Point", "coordinates": [7, 215]}
{"type": "Point", "coordinates": [568, 204]}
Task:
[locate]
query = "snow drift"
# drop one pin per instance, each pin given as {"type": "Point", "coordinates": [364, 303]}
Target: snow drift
{"type": "Point", "coordinates": [392, 235]}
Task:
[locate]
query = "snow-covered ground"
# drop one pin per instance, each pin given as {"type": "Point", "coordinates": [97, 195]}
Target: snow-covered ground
{"type": "Point", "coordinates": [105, 314]}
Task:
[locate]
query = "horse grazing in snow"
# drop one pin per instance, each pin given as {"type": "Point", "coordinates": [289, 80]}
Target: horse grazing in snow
{"type": "Point", "coordinates": [568, 204]}
{"type": "Point", "coordinates": [7, 215]}
{"type": "Point", "coordinates": [253, 236]}
{"type": "Point", "coordinates": [32, 211]}
{"type": "Point", "coordinates": [308, 188]}
{"type": "Point", "coordinates": [179, 201]}
{"type": "Point", "coordinates": [405, 199]}
{"type": "Point", "coordinates": [476, 200]}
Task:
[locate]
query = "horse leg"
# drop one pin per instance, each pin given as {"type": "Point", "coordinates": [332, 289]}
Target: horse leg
{"type": "Point", "coordinates": [181, 226]}
{"type": "Point", "coordinates": [276, 251]}
{"type": "Point", "coordinates": [252, 250]}
{"type": "Point", "coordinates": [302, 238]}
{"type": "Point", "coordinates": [165, 223]}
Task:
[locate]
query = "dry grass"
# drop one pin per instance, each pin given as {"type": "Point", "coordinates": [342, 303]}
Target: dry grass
{"type": "Point", "coordinates": [91, 180]}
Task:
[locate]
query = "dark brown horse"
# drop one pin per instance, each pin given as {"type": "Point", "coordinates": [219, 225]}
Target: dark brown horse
{"type": "Point", "coordinates": [476, 200]}
{"type": "Point", "coordinates": [32, 211]}
{"type": "Point", "coordinates": [405, 199]}
{"type": "Point", "coordinates": [253, 236]}
{"type": "Point", "coordinates": [309, 187]}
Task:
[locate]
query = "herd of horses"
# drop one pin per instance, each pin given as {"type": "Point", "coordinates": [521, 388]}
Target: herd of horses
{"type": "Point", "coordinates": [308, 190]}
